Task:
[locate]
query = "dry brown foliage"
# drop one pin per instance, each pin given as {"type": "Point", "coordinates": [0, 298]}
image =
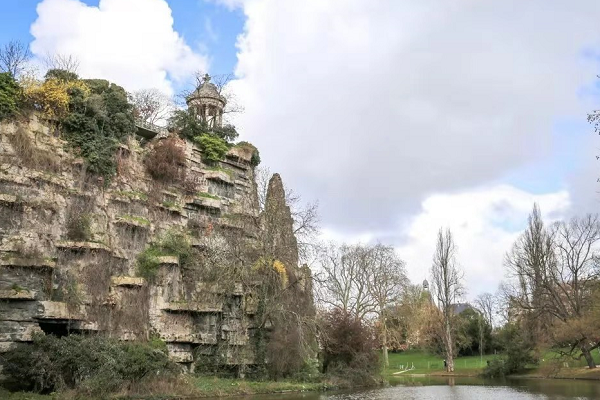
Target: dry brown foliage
{"type": "Point", "coordinates": [166, 161]}
{"type": "Point", "coordinates": [30, 155]}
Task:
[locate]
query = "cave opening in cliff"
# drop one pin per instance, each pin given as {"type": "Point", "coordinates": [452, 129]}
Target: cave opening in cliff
{"type": "Point", "coordinates": [56, 328]}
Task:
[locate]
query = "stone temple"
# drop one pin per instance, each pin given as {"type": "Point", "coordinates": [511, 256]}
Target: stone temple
{"type": "Point", "coordinates": [208, 103]}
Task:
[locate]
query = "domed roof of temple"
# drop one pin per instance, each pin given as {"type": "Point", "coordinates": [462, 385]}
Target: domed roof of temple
{"type": "Point", "coordinates": [207, 90]}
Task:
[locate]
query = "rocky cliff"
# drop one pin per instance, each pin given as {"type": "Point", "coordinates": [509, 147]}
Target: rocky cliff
{"type": "Point", "coordinates": [181, 262]}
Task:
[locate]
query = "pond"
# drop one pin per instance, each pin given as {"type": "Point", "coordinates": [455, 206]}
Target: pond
{"type": "Point", "coordinates": [459, 388]}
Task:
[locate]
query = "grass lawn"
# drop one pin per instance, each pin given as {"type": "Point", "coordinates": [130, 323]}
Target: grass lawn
{"type": "Point", "coordinates": [553, 365]}
{"type": "Point", "coordinates": [189, 386]}
{"type": "Point", "coordinates": [553, 358]}
{"type": "Point", "coordinates": [6, 395]}
{"type": "Point", "coordinates": [425, 363]}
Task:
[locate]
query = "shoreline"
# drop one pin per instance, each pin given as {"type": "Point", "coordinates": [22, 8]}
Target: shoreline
{"type": "Point", "coordinates": [201, 387]}
{"type": "Point", "coordinates": [576, 374]}
{"type": "Point", "coordinates": [186, 388]}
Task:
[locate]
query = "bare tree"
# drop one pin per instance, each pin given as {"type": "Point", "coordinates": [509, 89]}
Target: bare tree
{"type": "Point", "coordinates": [555, 274]}
{"type": "Point", "coordinates": [343, 281]}
{"type": "Point", "coordinates": [65, 62]}
{"type": "Point", "coordinates": [14, 57]}
{"type": "Point", "coordinates": [486, 304]}
{"type": "Point", "coordinates": [530, 256]}
{"type": "Point", "coordinates": [385, 286]}
{"type": "Point", "coordinates": [152, 106]}
{"type": "Point", "coordinates": [447, 288]}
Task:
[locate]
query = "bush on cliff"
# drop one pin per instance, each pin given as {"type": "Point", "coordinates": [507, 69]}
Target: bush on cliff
{"type": "Point", "coordinates": [187, 125]}
{"type": "Point", "coordinates": [97, 123]}
{"type": "Point", "coordinates": [166, 161]}
{"type": "Point", "coordinates": [213, 148]}
{"type": "Point", "coordinates": [9, 96]}
{"type": "Point", "coordinates": [95, 114]}
{"type": "Point", "coordinates": [89, 364]}
{"type": "Point", "coordinates": [171, 243]}
{"type": "Point", "coordinates": [61, 75]}
{"type": "Point", "coordinates": [51, 96]}
{"type": "Point", "coordinates": [255, 160]}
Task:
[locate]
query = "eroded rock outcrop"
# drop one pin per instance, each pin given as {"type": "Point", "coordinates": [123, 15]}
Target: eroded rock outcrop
{"type": "Point", "coordinates": [70, 248]}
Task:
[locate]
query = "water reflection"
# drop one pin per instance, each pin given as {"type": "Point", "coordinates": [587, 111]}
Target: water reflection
{"type": "Point", "coordinates": [459, 388]}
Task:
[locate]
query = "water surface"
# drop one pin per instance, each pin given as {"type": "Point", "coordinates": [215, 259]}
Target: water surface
{"type": "Point", "coordinates": [459, 388]}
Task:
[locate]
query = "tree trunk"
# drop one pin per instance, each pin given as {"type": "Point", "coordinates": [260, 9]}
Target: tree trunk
{"type": "Point", "coordinates": [384, 348]}
{"type": "Point", "coordinates": [588, 356]}
{"type": "Point", "coordinates": [449, 345]}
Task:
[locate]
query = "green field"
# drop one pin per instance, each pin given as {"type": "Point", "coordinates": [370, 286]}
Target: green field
{"type": "Point", "coordinates": [551, 364]}
{"type": "Point", "coordinates": [552, 358]}
{"type": "Point", "coordinates": [419, 362]}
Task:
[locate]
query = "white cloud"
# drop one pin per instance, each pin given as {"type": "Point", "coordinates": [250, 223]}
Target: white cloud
{"type": "Point", "coordinates": [485, 223]}
{"type": "Point", "coordinates": [372, 106]}
{"type": "Point", "coordinates": [405, 116]}
{"type": "Point", "coordinates": [130, 42]}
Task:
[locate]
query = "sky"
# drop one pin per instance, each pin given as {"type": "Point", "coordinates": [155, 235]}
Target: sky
{"type": "Point", "coordinates": [399, 117]}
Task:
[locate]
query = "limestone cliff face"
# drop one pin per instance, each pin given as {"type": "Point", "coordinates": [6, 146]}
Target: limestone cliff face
{"type": "Point", "coordinates": [69, 247]}
{"type": "Point", "coordinates": [279, 225]}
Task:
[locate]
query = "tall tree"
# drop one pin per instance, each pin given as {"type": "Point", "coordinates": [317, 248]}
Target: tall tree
{"type": "Point", "coordinates": [385, 286]}
{"type": "Point", "coordinates": [530, 256]}
{"type": "Point", "coordinates": [486, 304]}
{"type": "Point", "coordinates": [447, 288]}
{"type": "Point", "coordinates": [555, 275]}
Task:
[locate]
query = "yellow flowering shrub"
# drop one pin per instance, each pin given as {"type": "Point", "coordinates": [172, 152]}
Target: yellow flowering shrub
{"type": "Point", "coordinates": [276, 265]}
{"type": "Point", "coordinates": [279, 267]}
{"type": "Point", "coordinates": [51, 96]}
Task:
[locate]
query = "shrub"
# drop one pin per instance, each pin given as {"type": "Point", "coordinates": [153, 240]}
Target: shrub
{"type": "Point", "coordinates": [9, 95]}
{"type": "Point", "coordinates": [51, 97]}
{"type": "Point", "coordinates": [79, 226]}
{"type": "Point", "coordinates": [518, 352]}
{"type": "Point", "coordinates": [349, 348]}
{"type": "Point", "coordinates": [187, 124]}
{"type": "Point", "coordinates": [165, 161]}
{"type": "Point", "coordinates": [99, 119]}
{"type": "Point", "coordinates": [61, 75]}
{"type": "Point", "coordinates": [171, 243]}
{"type": "Point", "coordinates": [226, 132]}
{"type": "Point", "coordinates": [148, 262]}
{"type": "Point", "coordinates": [255, 159]}
{"type": "Point", "coordinates": [90, 364]}
{"type": "Point", "coordinates": [213, 148]}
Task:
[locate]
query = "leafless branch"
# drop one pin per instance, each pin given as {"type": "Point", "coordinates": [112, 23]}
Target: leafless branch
{"type": "Point", "coordinates": [14, 57]}
{"type": "Point", "coordinates": [65, 62]}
